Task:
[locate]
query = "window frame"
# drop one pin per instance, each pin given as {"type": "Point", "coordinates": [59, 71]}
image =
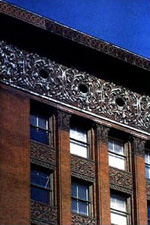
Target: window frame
{"type": "Point", "coordinates": [127, 214]}
{"type": "Point", "coordinates": [124, 156]}
{"type": "Point", "coordinates": [78, 142]}
{"type": "Point", "coordinates": [148, 218]}
{"type": "Point", "coordinates": [89, 202]}
{"type": "Point", "coordinates": [147, 151]}
{"type": "Point", "coordinates": [39, 110]}
{"type": "Point", "coordinates": [49, 190]}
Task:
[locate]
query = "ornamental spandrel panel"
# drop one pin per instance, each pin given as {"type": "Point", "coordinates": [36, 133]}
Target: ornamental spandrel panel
{"type": "Point", "coordinates": [73, 88]}
{"type": "Point", "coordinates": [42, 155]}
{"type": "Point", "coordinates": [121, 180]}
{"type": "Point", "coordinates": [79, 219]}
{"type": "Point", "coordinates": [43, 214]}
{"type": "Point", "coordinates": [82, 168]}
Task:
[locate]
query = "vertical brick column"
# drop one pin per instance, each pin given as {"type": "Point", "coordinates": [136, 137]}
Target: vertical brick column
{"type": "Point", "coordinates": [14, 159]}
{"type": "Point", "coordinates": [102, 175]}
{"type": "Point", "coordinates": [63, 168]}
{"type": "Point", "coordinates": [140, 198]}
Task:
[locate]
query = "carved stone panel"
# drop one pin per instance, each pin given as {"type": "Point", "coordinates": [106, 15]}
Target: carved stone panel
{"type": "Point", "coordinates": [82, 168]}
{"type": "Point", "coordinates": [43, 214]}
{"type": "Point", "coordinates": [77, 89]}
{"type": "Point", "coordinates": [63, 120]}
{"type": "Point", "coordinates": [101, 133]}
{"type": "Point", "coordinates": [42, 155]}
{"type": "Point", "coordinates": [138, 146]}
{"type": "Point", "coordinates": [78, 219]}
{"type": "Point", "coordinates": [121, 180]}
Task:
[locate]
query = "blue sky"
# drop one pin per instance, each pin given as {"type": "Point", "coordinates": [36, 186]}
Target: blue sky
{"type": "Point", "coordinates": [125, 23]}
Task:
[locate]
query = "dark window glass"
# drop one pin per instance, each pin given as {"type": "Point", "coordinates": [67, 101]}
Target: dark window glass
{"type": "Point", "coordinates": [148, 212]}
{"type": "Point", "coordinates": [39, 128]}
{"type": "Point", "coordinates": [80, 198]}
{"type": "Point", "coordinates": [41, 185]}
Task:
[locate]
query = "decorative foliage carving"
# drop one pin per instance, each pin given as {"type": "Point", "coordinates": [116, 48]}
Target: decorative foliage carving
{"type": "Point", "coordinates": [42, 154]}
{"type": "Point", "coordinates": [82, 168]}
{"type": "Point", "coordinates": [101, 133]}
{"type": "Point", "coordinates": [20, 69]}
{"type": "Point", "coordinates": [41, 213]}
{"type": "Point", "coordinates": [78, 219]}
{"type": "Point", "coordinates": [138, 146]}
{"type": "Point", "coordinates": [121, 180]}
{"type": "Point", "coordinates": [63, 120]}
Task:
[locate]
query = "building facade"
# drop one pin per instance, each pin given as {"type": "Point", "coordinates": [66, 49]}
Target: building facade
{"type": "Point", "coordinates": [74, 126]}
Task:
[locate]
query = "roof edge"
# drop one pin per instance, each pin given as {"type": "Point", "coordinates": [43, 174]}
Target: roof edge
{"type": "Point", "coordinates": [74, 35]}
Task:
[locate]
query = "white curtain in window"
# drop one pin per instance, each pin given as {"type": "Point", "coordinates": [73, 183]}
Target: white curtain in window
{"type": "Point", "coordinates": [116, 161]}
{"type": "Point", "coordinates": [118, 219]}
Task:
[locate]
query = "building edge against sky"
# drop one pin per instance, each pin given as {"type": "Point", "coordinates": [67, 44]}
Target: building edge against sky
{"type": "Point", "coordinates": [123, 23]}
{"type": "Point", "coordinates": [74, 125]}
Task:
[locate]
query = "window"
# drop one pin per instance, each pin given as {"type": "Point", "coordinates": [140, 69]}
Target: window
{"type": "Point", "coordinates": [79, 141]}
{"type": "Point", "coordinates": [117, 154]}
{"type": "Point", "coordinates": [147, 164]}
{"type": "Point", "coordinates": [81, 198]}
{"type": "Point", "coordinates": [41, 185]}
{"type": "Point", "coordinates": [41, 124]}
{"type": "Point", "coordinates": [119, 211]}
{"type": "Point", "coordinates": [148, 212]}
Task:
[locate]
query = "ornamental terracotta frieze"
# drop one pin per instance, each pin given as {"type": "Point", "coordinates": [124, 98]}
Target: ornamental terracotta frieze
{"type": "Point", "coordinates": [43, 214]}
{"type": "Point", "coordinates": [82, 168]}
{"type": "Point", "coordinates": [78, 219]}
{"type": "Point", "coordinates": [42, 155]}
{"type": "Point", "coordinates": [76, 89]}
{"type": "Point", "coordinates": [121, 180]}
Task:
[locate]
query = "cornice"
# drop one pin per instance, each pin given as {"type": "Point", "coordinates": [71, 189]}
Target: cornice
{"type": "Point", "coordinates": [74, 35]}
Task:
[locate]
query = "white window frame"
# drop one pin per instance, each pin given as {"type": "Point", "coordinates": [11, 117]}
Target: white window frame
{"type": "Point", "coordinates": [119, 157]}
{"type": "Point", "coordinates": [147, 164]}
{"type": "Point", "coordinates": [117, 210]}
{"type": "Point", "coordinates": [77, 146]}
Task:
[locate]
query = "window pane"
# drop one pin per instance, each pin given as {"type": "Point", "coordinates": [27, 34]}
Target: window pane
{"type": "Point", "coordinates": [78, 134]}
{"type": "Point", "coordinates": [40, 178]}
{"type": "Point", "coordinates": [78, 149]}
{"type": "Point", "coordinates": [147, 171]}
{"type": "Point", "coordinates": [83, 192]}
{"type": "Point", "coordinates": [83, 208]}
{"type": "Point", "coordinates": [118, 203]}
{"type": "Point", "coordinates": [42, 122]}
{"type": "Point", "coordinates": [40, 195]}
{"type": "Point", "coordinates": [118, 219]}
{"type": "Point", "coordinates": [74, 205]}
{"type": "Point", "coordinates": [110, 145]}
{"type": "Point", "coordinates": [74, 190]}
{"type": "Point", "coordinates": [147, 158]}
{"type": "Point", "coordinates": [118, 148]}
{"type": "Point", "coordinates": [39, 135]}
{"type": "Point", "coordinates": [33, 120]}
{"type": "Point", "coordinates": [148, 211]}
{"type": "Point", "coordinates": [116, 161]}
